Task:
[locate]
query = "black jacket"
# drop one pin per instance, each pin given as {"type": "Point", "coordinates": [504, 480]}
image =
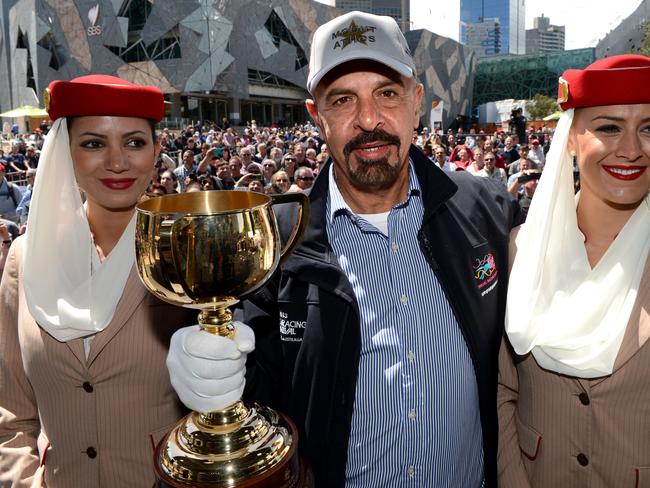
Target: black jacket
{"type": "Point", "coordinates": [306, 320]}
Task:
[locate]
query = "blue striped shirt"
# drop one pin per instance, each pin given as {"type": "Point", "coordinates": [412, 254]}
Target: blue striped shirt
{"type": "Point", "coordinates": [416, 416]}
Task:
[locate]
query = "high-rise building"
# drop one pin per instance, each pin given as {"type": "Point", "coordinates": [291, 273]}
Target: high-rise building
{"type": "Point", "coordinates": [510, 15]}
{"type": "Point", "coordinates": [484, 38]}
{"type": "Point", "coordinates": [544, 37]}
{"type": "Point", "coordinates": [397, 9]}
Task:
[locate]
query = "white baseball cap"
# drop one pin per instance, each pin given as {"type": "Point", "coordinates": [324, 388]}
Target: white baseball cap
{"type": "Point", "coordinates": [358, 35]}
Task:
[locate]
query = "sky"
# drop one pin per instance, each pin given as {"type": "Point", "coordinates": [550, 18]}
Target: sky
{"type": "Point", "coordinates": [586, 21]}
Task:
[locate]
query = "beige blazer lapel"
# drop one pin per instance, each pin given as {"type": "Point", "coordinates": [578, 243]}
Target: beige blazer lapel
{"type": "Point", "coordinates": [133, 294]}
{"type": "Point", "coordinates": [637, 331]}
{"type": "Point", "coordinates": [76, 346]}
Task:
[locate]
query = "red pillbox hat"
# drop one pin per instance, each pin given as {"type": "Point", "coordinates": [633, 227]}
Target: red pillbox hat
{"type": "Point", "coordinates": [617, 80]}
{"type": "Point", "coordinates": [103, 95]}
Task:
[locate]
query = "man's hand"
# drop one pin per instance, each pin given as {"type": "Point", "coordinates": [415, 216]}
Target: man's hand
{"type": "Point", "coordinates": [206, 370]}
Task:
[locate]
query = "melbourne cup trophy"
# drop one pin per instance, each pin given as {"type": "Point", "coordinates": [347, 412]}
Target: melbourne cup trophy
{"type": "Point", "coordinates": [205, 250]}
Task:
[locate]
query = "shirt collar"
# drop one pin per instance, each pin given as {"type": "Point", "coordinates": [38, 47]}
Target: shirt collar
{"type": "Point", "coordinates": [337, 205]}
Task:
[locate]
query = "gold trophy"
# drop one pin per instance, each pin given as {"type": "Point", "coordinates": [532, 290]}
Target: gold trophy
{"type": "Point", "coordinates": [205, 250]}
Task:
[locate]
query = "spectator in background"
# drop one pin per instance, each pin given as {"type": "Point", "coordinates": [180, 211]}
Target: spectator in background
{"type": "Point", "coordinates": [491, 171]}
{"type": "Point", "coordinates": [509, 152]}
{"type": "Point", "coordinates": [23, 207]}
{"type": "Point", "coordinates": [276, 155]}
{"type": "Point", "coordinates": [477, 165]}
{"type": "Point", "coordinates": [299, 153]}
{"type": "Point", "coordinates": [310, 157]}
{"type": "Point", "coordinates": [256, 185]}
{"type": "Point", "coordinates": [223, 179]}
{"type": "Point", "coordinates": [441, 159]}
{"type": "Point", "coordinates": [6, 238]}
{"type": "Point", "coordinates": [516, 166]}
{"type": "Point", "coordinates": [170, 181]}
{"type": "Point", "coordinates": [289, 164]}
{"type": "Point", "coordinates": [246, 155]}
{"type": "Point", "coordinates": [463, 160]}
{"type": "Point", "coordinates": [269, 167]}
{"type": "Point", "coordinates": [536, 153]}
{"type": "Point", "coordinates": [187, 168]}
{"type": "Point", "coordinates": [235, 166]}
{"type": "Point", "coordinates": [280, 182]}
{"type": "Point", "coordinates": [10, 196]}
{"type": "Point", "coordinates": [303, 179]}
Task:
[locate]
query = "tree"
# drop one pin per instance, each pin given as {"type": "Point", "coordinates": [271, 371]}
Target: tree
{"type": "Point", "coordinates": [541, 106]}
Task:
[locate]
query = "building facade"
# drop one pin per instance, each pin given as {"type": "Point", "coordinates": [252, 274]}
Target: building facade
{"type": "Point", "coordinates": [629, 35]}
{"type": "Point", "coordinates": [511, 16]}
{"type": "Point", "coordinates": [244, 59]}
{"type": "Point", "coordinates": [544, 37]}
{"type": "Point", "coordinates": [484, 38]}
{"type": "Point", "coordinates": [397, 9]}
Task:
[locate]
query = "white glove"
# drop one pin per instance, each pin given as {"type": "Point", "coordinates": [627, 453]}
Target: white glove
{"type": "Point", "coordinates": [206, 370]}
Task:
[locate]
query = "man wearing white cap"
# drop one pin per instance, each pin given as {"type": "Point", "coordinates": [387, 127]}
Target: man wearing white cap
{"type": "Point", "coordinates": [379, 335]}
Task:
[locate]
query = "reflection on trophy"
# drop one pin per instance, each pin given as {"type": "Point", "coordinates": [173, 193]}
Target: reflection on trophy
{"type": "Point", "coordinates": [205, 250]}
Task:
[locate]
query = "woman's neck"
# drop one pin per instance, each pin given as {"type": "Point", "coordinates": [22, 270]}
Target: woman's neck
{"type": "Point", "coordinates": [600, 222]}
{"type": "Point", "coordinates": [107, 227]}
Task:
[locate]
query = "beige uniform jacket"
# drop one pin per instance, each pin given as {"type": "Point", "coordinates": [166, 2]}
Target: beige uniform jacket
{"type": "Point", "coordinates": [562, 432]}
{"type": "Point", "coordinates": [67, 421]}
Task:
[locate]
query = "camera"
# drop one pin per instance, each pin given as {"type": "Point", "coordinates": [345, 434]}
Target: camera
{"type": "Point", "coordinates": [529, 177]}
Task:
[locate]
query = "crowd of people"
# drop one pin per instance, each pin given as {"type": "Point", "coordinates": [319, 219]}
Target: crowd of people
{"type": "Point", "coordinates": [272, 160]}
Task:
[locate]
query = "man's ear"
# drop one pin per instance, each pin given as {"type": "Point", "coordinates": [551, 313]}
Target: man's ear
{"type": "Point", "coordinates": [419, 94]}
{"type": "Point", "coordinates": [313, 111]}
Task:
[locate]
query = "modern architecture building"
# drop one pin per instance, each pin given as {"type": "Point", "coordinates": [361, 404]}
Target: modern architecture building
{"type": "Point", "coordinates": [242, 60]}
{"type": "Point", "coordinates": [544, 37]}
{"type": "Point", "coordinates": [397, 9]}
{"type": "Point", "coordinates": [511, 15]}
{"type": "Point", "coordinates": [629, 35]}
{"type": "Point", "coordinates": [484, 38]}
{"type": "Point", "coordinates": [523, 77]}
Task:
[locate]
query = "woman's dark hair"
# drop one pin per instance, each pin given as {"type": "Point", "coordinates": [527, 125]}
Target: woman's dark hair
{"type": "Point", "coordinates": [152, 125]}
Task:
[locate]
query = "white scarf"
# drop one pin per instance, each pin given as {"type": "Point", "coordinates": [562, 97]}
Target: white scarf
{"type": "Point", "coordinates": [572, 317]}
{"type": "Point", "coordinates": [69, 292]}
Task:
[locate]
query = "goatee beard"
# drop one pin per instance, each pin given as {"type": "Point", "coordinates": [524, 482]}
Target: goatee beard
{"type": "Point", "coordinates": [379, 173]}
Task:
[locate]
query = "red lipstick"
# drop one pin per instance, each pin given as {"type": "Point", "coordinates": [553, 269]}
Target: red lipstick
{"type": "Point", "coordinates": [118, 183]}
{"type": "Point", "coordinates": [625, 173]}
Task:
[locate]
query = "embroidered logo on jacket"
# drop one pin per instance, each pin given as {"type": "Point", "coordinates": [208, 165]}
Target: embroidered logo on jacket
{"type": "Point", "coordinates": [486, 273]}
{"type": "Point", "coordinates": [291, 330]}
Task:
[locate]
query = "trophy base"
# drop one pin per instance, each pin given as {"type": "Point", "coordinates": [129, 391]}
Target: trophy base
{"type": "Point", "coordinates": [238, 447]}
{"type": "Point", "coordinates": [305, 479]}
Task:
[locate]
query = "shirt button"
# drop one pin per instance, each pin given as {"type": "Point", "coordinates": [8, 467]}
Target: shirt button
{"type": "Point", "coordinates": [91, 452]}
{"type": "Point", "coordinates": [394, 246]}
{"type": "Point", "coordinates": [404, 299]}
{"type": "Point", "coordinates": [410, 470]}
{"type": "Point", "coordinates": [411, 356]}
{"type": "Point", "coordinates": [582, 460]}
{"type": "Point", "coordinates": [584, 398]}
{"type": "Point", "coordinates": [412, 414]}
{"type": "Point", "coordinates": [87, 387]}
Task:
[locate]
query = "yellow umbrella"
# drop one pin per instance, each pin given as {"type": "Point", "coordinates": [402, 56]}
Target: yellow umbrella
{"type": "Point", "coordinates": [554, 116]}
{"type": "Point", "coordinates": [25, 111]}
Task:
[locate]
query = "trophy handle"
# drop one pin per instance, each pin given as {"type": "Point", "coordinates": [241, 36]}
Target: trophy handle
{"type": "Point", "coordinates": [303, 218]}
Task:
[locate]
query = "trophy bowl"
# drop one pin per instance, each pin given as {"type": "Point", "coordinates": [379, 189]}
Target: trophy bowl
{"type": "Point", "coordinates": [205, 250]}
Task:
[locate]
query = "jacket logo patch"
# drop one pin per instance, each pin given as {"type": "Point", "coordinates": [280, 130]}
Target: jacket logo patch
{"type": "Point", "coordinates": [486, 273]}
{"type": "Point", "coordinates": [291, 330]}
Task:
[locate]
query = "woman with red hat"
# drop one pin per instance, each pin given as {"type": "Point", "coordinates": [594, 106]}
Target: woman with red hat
{"type": "Point", "coordinates": [574, 387]}
{"type": "Point", "coordinates": [84, 391]}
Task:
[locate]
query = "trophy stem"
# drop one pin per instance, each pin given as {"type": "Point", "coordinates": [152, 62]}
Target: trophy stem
{"type": "Point", "coordinates": [217, 321]}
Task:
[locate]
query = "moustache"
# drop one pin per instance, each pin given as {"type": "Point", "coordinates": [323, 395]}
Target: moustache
{"type": "Point", "coordinates": [368, 137]}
